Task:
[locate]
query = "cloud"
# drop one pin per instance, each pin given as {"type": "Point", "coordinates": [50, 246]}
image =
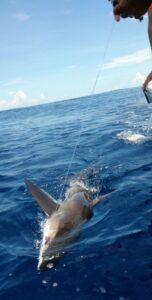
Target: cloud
{"type": "Point", "coordinates": [138, 79]}
{"type": "Point", "coordinates": [21, 16]}
{"type": "Point", "coordinates": [127, 60]}
{"type": "Point", "coordinates": [21, 99]}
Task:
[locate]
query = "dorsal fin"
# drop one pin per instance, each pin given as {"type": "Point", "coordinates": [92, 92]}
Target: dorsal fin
{"type": "Point", "coordinates": [46, 202]}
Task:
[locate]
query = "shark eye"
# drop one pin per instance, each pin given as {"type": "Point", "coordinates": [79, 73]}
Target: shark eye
{"type": "Point", "coordinates": [88, 196]}
{"type": "Point", "coordinates": [46, 240]}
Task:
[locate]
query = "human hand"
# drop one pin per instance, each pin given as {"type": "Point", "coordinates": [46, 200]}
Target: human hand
{"type": "Point", "coordinates": [130, 8]}
{"type": "Point", "coordinates": [147, 80]}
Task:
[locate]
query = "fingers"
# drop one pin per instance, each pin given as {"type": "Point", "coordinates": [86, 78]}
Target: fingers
{"type": "Point", "coordinates": [117, 18]}
{"type": "Point", "coordinates": [132, 8]}
{"type": "Point", "coordinates": [123, 12]}
{"type": "Point", "coordinates": [120, 11]}
{"type": "Point", "coordinates": [121, 8]}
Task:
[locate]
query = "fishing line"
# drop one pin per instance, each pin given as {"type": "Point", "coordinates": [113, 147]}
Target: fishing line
{"type": "Point", "coordinates": [88, 107]}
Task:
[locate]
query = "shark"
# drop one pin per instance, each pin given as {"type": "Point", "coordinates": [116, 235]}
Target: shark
{"type": "Point", "coordinates": [63, 219]}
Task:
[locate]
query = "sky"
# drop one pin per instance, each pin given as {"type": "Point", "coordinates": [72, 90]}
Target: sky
{"type": "Point", "coordinates": [53, 50]}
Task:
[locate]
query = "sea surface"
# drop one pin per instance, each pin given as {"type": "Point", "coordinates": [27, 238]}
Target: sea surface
{"type": "Point", "coordinates": [106, 142]}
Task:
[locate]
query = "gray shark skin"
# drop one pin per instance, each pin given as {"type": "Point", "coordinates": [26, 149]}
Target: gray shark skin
{"type": "Point", "coordinates": [63, 221]}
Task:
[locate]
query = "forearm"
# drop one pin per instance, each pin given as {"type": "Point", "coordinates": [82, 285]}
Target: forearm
{"type": "Point", "coordinates": [150, 27]}
{"type": "Point", "coordinates": [147, 80]}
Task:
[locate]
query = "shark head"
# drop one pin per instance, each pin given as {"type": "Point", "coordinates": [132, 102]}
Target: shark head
{"type": "Point", "coordinates": [50, 228]}
{"type": "Point", "coordinates": [49, 249]}
{"type": "Point", "coordinates": [56, 233]}
{"type": "Point", "coordinates": [78, 188]}
{"type": "Point", "coordinates": [56, 236]}
{"type": "Point", "coordinates": [61, 226]}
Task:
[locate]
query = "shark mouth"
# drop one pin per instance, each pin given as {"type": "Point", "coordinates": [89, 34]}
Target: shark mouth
{"type": "Point", "coordinates": [49, 262]}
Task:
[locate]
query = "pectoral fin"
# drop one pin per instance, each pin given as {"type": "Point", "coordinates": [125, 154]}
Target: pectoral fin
{"type": "Point", "coordinates": [45, 201]}
{"type": "Point", "coordinates": [99, 198]}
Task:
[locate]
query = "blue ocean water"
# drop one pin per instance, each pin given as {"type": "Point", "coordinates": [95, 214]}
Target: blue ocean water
{"type": "Point", "coordinates": [112, 259]}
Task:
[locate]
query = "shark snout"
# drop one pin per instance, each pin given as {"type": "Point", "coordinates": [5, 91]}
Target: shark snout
{"type": "Point", "coordinates": [43, 263]}
{"type": "Point", "coordinates": [49, 261]}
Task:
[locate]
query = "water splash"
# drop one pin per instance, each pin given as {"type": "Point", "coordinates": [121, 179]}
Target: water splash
{"type": "Point", "coordinates": [149, 127]}
{"type": "Point", "coordinates": [131, 137]}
